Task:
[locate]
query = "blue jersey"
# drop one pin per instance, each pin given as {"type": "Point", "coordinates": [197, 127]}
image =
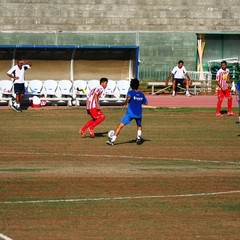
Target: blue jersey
{"type": "Point", "coordinates": [134, 109]}
{"type": "Point", "coordinates": [238, 87]}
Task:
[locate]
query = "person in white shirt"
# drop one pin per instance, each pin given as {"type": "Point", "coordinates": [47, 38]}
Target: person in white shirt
{"type": "Point", "coordinates": [179, 74]}
{"type": "Point", "coordinates": [17, 74]}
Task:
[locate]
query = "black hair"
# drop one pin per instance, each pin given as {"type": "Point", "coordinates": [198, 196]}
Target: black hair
{"type": "Point", "coordinates": [103, 80]}
{"type": "Point", "coordinates": [224, 62]}
{"type": "Point", "coordinates": [180, 61]}
{"type": "Point", "coordinates": [134, 84]}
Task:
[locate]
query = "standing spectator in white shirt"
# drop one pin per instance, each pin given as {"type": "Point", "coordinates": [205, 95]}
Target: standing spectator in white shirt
{"type": "Point", "coordinates": [179, 74]}
{"type": "Point", "coordinates": [17, 74]}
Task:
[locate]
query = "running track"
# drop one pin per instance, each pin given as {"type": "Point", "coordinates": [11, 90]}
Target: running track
{"type": "Point", "coordinates": [200, 101]}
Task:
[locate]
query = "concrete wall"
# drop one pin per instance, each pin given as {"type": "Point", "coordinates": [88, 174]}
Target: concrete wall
{"type": "Point", "coordinates": [119, 15]}
{"type": "Point", "coordinates": [165, 30]}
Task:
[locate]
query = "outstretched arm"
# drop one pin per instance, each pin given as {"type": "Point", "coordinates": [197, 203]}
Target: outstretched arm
{"type": "Point", "coordinates": [27, 62]}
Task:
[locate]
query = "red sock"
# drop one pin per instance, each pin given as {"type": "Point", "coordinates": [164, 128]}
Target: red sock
{"type": "Point", "coordinates": [229, 105]}
{"type": "Point", "coordinates": [219, 105]}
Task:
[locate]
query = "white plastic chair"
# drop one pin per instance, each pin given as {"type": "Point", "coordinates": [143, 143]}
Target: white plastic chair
{"type": "Point", "coordinates": [35, 87]}
{"type": "Point", "coordinates": [80, 91]}
{"type": "Point", "coordinates": [92, 84]}
{"type": "Point", "coordinates": [6, 88]}
{"type": "Point", "coordinates": [65, 87]}
{"type": "Point", "coordinates": [81, 85]}
{"type": "Point", "coordinates": [110, 89]}
{"type": "Point", "coordinates": [123, 86]}
{"type": "Point", "coordinates": [50, 88]}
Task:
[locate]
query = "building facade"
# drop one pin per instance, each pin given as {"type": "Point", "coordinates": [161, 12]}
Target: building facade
{"type": "Point", "coordinates": [164, 30]}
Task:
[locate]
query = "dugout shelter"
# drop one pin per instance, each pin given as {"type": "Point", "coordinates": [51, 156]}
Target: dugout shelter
{"type": "Point", "coordinates": [73, 62]}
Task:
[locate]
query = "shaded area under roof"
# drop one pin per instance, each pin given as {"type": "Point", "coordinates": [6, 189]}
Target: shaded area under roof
{"type": "Point", "coordinates": [68, 52]}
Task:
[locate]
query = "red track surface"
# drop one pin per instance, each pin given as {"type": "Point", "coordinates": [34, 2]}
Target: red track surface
{"type": "Point", "coordinates": [164, 100]}
{"type": "Point", "coordinates": [183, 101]}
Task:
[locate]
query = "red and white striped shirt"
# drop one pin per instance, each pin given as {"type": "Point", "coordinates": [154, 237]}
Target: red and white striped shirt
{"type": "Point", "coordinates": [99, 91]}
{"type": "Point", "coordinates": [222, 78]}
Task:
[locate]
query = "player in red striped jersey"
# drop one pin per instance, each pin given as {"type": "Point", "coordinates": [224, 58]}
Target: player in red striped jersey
{"type": "Point", "coordinates": [93, 108]}
{"type": "Point", "coordinates": [224, 83]}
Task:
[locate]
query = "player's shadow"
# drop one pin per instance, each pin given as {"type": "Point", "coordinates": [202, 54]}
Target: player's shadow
{"type": "Point", "coordinates": [223, 111]}
{"type": "Point", "coordinates": [101, 134]}
{"type": "Point", "coordinates": [238, 123]}
{"type": "Point", "coordinates": [133, 141]}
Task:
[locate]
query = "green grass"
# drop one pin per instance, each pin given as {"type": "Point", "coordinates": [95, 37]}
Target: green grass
{"type": "Point", "coordinates": [186, 151]}
{"type": "Point", "coordinates": [22, 170]}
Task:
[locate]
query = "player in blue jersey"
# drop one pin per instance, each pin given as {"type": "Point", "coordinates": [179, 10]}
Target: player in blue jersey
{"type": "Point", "coordinates": [238, 99]}
{"type": "Point", "coordinates": [134, 101]}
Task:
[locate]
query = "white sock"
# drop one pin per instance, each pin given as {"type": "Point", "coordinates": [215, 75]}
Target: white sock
{"type": "Point", "coordinates": [14, 104]}
{"type": "Point", "coordinates": [239, 119]}
{"type": "Point", "coordinates": [139, 133]}
{"type": "Point", "coordinates": [18, 105]}
{"type": "Point", "coordinates": [113, 139]}
{"type": "Point", "coordinates": [187, 92]}
{"type": "Point", "coordinates": [173, 92]}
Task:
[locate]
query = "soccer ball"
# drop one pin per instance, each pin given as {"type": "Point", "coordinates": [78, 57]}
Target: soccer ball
{"type": "Point", "coordinates": [111, 133]}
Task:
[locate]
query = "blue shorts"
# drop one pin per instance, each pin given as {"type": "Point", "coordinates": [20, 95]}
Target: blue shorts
{"type": "Point", "coordinates": [127, 120]}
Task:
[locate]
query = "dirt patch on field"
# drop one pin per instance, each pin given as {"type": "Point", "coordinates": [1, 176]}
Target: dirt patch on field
{"type": "Point", "coordinates": [182, 181]}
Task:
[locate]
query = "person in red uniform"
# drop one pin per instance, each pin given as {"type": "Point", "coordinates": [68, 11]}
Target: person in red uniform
{"type": "Point", "coordinates": [224, 83]}
{"type": "Point", "coordinates": [93, 108]}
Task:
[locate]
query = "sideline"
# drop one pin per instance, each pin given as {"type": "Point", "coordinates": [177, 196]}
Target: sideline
{"type": "Point", "coordinates": [119, 198]}
{"type": "Point", "coordinates": [4, 153]}
{"type": "Point", "coordinates": [4, 237]}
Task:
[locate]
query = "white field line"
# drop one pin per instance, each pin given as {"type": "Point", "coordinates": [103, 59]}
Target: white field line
{"type": "Point", "coordinates": [111, 156]}
{"type": "Point", "coordinates": [119, 198]}
{"type": "Point", "coordinates": [4, 237]}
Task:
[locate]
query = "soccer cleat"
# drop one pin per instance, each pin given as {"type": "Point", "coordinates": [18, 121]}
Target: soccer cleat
{"type": "Point", "coordinates": [110, 143]}
{"type": "Point", "coordinates": [91, 132]}
{"type": "Point", "coordinates": [230, 114]}
{"type": "Point", "coordinates": [16, 109]}
{"type": "Point", "coordinates": [13, 107]}
{"type": "Point", "coordinates": [139, 140]}
{"type": "Point", "coordinates": [188, 95]}
{"type": "Point", "coordinates": [82, 132]}
{"type": "Point", "coordinates": [219, 115]}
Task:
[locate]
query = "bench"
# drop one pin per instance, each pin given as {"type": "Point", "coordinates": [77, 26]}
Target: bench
{"type": "Point", "coordinates": [195, 88]}
{"type": "Point", "coordinates": [161, 84]}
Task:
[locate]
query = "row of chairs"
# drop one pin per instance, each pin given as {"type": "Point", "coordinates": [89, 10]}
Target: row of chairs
{"type": "Point", "coordinates": [72, 92]}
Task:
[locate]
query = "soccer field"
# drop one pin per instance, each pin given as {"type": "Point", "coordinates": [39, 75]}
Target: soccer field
{"type": "Point", "coordinates": [183, 182]}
